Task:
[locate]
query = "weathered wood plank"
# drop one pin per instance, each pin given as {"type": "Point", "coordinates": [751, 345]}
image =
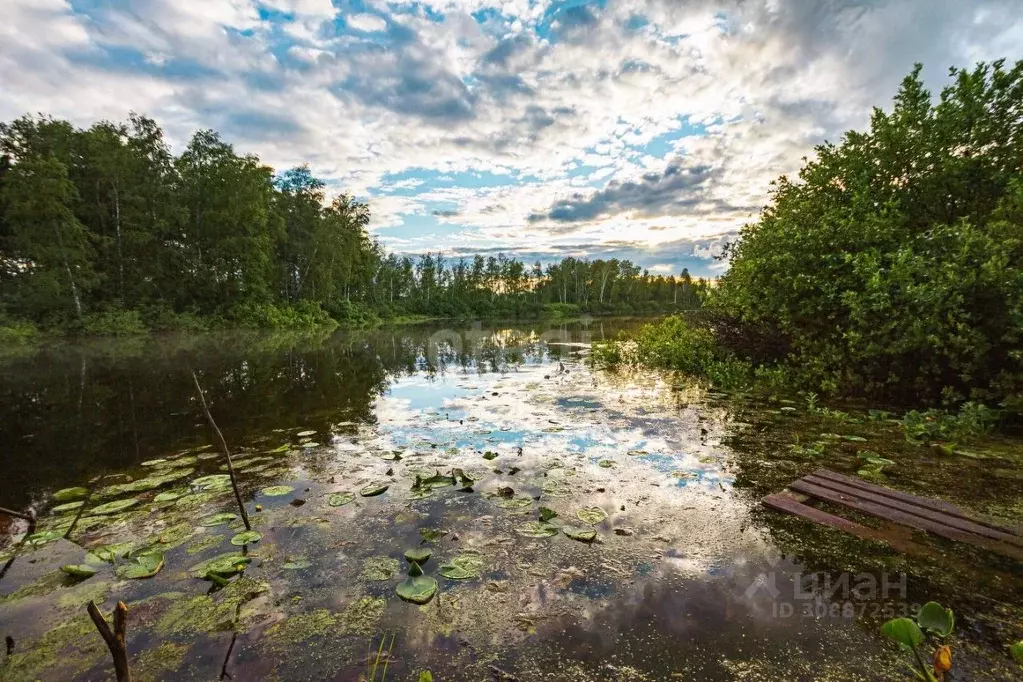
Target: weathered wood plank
{"type": "Point", "coordinates": [906, 519]}
{"type": "Point", "coordinates": [926, 502]}
{"type": "Point", "coordinates": [790, 502]}
{"type": "Point", "coordinates": [941, 517]}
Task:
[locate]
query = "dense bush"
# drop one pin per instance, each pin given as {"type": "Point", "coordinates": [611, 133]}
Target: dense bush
{"type": "Point", "coordinates": [894, 265]}
{"type": "Point", "coordinates": [303, 315]}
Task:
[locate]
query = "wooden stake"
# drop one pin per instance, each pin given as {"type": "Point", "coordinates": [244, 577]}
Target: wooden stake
{"type": "Point", "coordinates": [115, 639]}
{"type": "Point", "coordinates": [227, 453]}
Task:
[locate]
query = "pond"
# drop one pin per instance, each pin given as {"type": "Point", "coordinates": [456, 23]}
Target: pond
{"type": "Point", "coordinates": [569, 523]}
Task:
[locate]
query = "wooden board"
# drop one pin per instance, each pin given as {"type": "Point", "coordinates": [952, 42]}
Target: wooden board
{"type": "Point", "coordinates": [904, 518]}
{"type": "Point", "coordinates": [925, 502]}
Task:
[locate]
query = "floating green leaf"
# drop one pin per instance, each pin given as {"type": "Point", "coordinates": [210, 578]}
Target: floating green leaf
{"type": "Point", "coordinates": [417, 588]}
{"type": "Point", "coordinates": [69, 494]}
{"type": "Point", "coordinates": [246, 537]}
{"type": "Point", "coordinates": [70, 506]}
{"type": "Point", "coordinates": [171, 495]}
{"type": "Point", "coordinates": [854, 439]}
{"type": "Point", "coordinates": [1016, 650]}
{"type": "Point", "coordinates": [212, 482]}
{"type": "Point", "coordinates": [426, 676]}
{"type": "Point", "coordinates": [537, 529]}
{"type": "Point", "coordinates": [606, 463]}
{"type": "Point", "coordinates": [297, 564]}
{"type": "Point", "coordinates": [154, 462]}
{"type": "Point", "coordinates": [80, 570]}
{"type": "Point", "coordinates": [591, 515]}
{"type": "Point", "coordinates": [340, 499]}
{"type": "Point", "coordinates": [462, 567]}
{"type": "Point", "coordinates": [277, 490]}
{"type": "Point", "coordinates": [223, 565]}
{"type": "Point", "coordinates": [547, 514]}
{"type": "Point", "coordinates": [218, 519]}
{"type": "Point", "coordinates": [936, 618]}
{"type": "Point", "coordinates": [580, 534]}
{"type": "Point", "coordinates": [305, 434]}
{"type": "Point", "coordinates": [145, 565]}
{"type": "Point", "coordinates": [489, 455]}
{"type": "Point", "coordinates": [112, 507]}
{"type": "Point", "coordinates": [420, 555]}
{"type": "Point", "coordinates": [374, 489]}
{"type": "Point", "coordinates": [432, 534]}
{"type": "Point", "coordinates": [515, 503]}
{"type": "Point", "coordinates": [904, 631]}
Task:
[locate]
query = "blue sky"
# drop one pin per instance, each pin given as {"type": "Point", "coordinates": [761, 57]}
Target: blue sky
{"type": "Point", "coordinates": [647, 130]}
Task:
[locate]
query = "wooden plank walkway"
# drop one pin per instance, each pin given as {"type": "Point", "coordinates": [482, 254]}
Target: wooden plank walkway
{"type": "Point", "coordinates": [920, 513]}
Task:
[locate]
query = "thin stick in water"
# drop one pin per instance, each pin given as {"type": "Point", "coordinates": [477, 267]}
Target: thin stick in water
{"type": "Point", "coordinates": [227, 453]}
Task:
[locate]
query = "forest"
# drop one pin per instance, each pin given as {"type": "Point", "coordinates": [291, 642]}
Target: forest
{"type": "Point", "coordinates": [892, 267]}
{"type": "Point", "coordinates": [105, 231]}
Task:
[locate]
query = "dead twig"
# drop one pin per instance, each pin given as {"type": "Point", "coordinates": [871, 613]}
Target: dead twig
{"type": "Point", "coordinates": [115, 639]}
{"type": "Point", "coordinates": [227, 659]}
{"type": "Point", "coordinates": [29, 516]}
{"type": "Point", "coordinates": [219, 437]}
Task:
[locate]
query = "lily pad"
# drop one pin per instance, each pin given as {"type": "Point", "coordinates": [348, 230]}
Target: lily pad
{"type": "Point", "coordinates": [936, 618]}
{"type": "Point", "coordinates": [580, 534]}
{"type": "Point", "coordinates": [171, 495]}
{"type": "Point", "coordinates": [145, 565]}
{"type": "Point", "coordinates": [310, 444]}
{"type": "Point", "coordinates": [606, 463]}
{"type": "Point", "coordinates": [537, 529]}
{"type": "Point", "coordinates": [374, 489]}
{"type": "Point", "coordinates": [904, 631]}
{"type": "Point", "coordinates": [340, 499]}
{"type": "Point", "coordinates": [432, 534]}
{"type": "Point", "coordinates": [223, 565]}
{"type": "Point", "coordinates": [212, 482]}
{"type": "Point", "coordinates": [246, 537]}
{"type": "Point", "coordinates": [70, 506]}
{"type": "Point", "coordinates": [305, 434]}
{"type": "Point", "coordinates": [218, 519]}
{"type": "Point", "coordinates": [462, 567]}
{"type": "Point", "coordinates": [80, 570]}
{"type": "Point", "coordinates": [547, 514]}
{"type": "Point", "coordinates": [854, 439]}
{"type": "Point", "coordinates": [277, 490]}
{"type": "Point", "coordinates": [112, 507]}
{"type": "Point", "coordinates": [154, 462]}
{"type": "Point", "coordinates": [69, 494]}
{"type": "Point", "coordinates": [488, 455]}
{"type": "Point", "coordinates": [591, 515]}
{"type": "Point", "coordinates": [515, 503]}
{"type": "Point", "coordinates": [417, 588]}
{"type": "Point", "coordinates": [297, 564]}
{"type": "Point", "coordinates": [420, 555]}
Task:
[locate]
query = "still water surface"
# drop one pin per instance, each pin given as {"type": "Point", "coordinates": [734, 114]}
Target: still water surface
{"type": "Point", "coordinates": [687, 577]}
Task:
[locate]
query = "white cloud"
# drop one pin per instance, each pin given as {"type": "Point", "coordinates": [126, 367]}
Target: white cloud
{"type": "Point", "coordinates": [570, 112]}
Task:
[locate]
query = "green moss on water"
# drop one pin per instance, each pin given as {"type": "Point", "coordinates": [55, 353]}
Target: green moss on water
{"type": "Point", "coordinates": [206, 613]}
{"type": "Point", "coordinates": [71, 648]}
{"type": "Point", "coordinates": [153, 664]}
{"type": "Point", "coordinates": [379, 568]}
{"type": "Point", "coordinates": [46, 584]}
{"type": "Point", "coordinates": [298, 629]}
{"type": "Point", "coordinates": [203, 544]}
{"type": "Point", "coordinates": [361, 616]}
{"type": "Point", "coordinates": [90, 590]}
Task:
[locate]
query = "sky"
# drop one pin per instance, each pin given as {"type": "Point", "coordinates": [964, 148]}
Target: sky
{"type": "Point", "coordinates": [648, 130]}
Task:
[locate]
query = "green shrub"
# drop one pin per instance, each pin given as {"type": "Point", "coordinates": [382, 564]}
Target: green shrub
{"type": "Point", "coordinates": [17, 333]}
{"type": "Point", "coordinates": [111, 323]}
{"type": "Point", "coordinates": [559, 310]}
{"type": "Point", "coordinates": [893, 267]}
{"type": "Point", "coordinates": [303, 315]}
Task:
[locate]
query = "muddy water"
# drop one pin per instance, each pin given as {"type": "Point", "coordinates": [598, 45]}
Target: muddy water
{"type": "Point", "coordinates": [686, 577]}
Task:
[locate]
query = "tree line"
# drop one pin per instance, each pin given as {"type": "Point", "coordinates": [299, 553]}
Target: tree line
{"type": "Point", "coordinates": [892, 266]}
{"type": "Point", "coordinates": [106, 229]}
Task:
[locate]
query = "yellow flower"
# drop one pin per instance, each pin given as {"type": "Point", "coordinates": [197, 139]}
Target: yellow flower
{"type": "Point", "coordinates": [943, 660]}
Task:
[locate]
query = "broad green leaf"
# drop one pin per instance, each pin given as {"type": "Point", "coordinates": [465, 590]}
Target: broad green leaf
{"type": "Point", "coordinates": [904, 631]}
{"type": "Point", "coordinates": [936, 618]}
{"type": "Point", "coordinates": [246, 537]}
{"type": "Point", "coordinates": [80, 570]}
{"type": "Point", "coordinates": [340, 499]}
{"type": "Point", "coordinates": [145, 565]}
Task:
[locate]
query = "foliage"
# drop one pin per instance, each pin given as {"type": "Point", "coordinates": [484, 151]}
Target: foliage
{"type": "Point", "coordinates": [932, 621]}
{"type": "Point", "coordinates": [105, 231]}
{"type": "Point", "coordinates": [892, 267]}
{"type": "Point", "coordinates": [972, 420]}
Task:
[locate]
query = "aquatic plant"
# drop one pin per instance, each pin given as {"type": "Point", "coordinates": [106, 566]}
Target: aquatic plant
{"type": "Point", "coordinates": [417, 588]}
{"type": "Point", "coordinates": [932, 621]}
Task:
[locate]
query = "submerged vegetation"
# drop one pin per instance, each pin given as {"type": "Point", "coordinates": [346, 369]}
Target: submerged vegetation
{"type": "Point", "coordinates": [892, 268]}
{"type": "Point", "coordinates": [104, 231]}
